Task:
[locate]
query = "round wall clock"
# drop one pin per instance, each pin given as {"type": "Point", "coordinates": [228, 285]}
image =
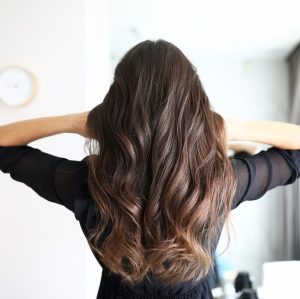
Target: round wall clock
{"type": "Point", "coordinates": [18, 86]}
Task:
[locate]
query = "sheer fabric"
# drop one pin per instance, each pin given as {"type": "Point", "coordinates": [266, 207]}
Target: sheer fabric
{"type": "Point", "coordinates": [264, 171]}
{"type": "Point", "coordinates": [52, 177]}
{"type": "Point", "coordinates": [64, 182]}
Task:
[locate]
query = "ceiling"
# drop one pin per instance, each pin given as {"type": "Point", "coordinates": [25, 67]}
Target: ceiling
{"type": "Point", "coordinates": [208, 28]}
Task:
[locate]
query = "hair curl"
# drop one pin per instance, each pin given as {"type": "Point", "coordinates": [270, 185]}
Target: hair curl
{"type": "Point", "coordinates": [158, 168]}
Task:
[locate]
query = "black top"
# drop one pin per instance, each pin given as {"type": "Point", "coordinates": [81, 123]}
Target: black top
{"type": "Point", "coordinates": [64, 182]}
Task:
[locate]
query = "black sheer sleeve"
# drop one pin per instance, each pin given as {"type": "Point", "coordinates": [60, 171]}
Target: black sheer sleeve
{"type": "Point", "coordinates": [256, 174]}
{"type": "Point", "coordinates": [52, 177]}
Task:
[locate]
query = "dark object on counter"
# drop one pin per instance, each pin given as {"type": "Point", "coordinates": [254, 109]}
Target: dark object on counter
{"type": "Point", "coordinates": [241, 154]}
{"type": "Point", "coordinates": [242, 281]}
{"type": "Point", "coordinates": [248, 294]}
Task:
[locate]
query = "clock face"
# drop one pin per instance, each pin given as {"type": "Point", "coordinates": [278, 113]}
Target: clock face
{"type": "Point", "coordinates": [16, 86]}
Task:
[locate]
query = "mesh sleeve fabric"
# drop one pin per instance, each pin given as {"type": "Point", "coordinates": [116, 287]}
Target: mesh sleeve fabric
{"type": "Point", "coordinates": [259, 173]}
{"type": "Point", "coordinates": [52, 177]}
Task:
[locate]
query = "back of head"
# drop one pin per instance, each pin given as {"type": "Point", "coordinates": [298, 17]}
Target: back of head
{"type": "Point", "coordinates": [159, 171]}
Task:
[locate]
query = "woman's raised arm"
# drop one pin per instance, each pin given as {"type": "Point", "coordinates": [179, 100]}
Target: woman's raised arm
{"type": "Point", "coordinates": [26, 131]}
{"type": "Point", "coordinates": [279, 134]}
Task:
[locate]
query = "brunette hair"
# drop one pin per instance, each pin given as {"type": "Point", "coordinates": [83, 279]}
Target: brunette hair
{"type": "Point", "coordinates": [158, 169]}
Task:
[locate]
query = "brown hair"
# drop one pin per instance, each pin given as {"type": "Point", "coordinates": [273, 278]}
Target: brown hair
{"type": "Point", "coordinates": [159, 171]}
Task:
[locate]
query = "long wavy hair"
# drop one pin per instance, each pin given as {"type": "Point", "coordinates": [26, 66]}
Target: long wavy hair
{"type": "Point", "coordinates": [159, 172]}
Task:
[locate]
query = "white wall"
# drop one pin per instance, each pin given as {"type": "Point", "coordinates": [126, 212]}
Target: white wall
{"type": "Point", "coordinates": [43, 251]}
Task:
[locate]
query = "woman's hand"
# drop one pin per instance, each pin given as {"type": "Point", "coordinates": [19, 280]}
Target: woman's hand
{"type": "Point", "coordinates": [79, 123]}
{"type": "Point", "coordinates": [232, 127]}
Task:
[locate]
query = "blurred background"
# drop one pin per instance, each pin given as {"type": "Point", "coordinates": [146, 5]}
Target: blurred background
{"type": "Point", "coordinates": [246, 54]}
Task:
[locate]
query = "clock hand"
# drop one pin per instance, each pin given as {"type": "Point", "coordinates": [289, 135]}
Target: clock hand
{"type": "Point", "coordinates": [17, 84]}
{"type": "Point", "coordinates": [12, 85]}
